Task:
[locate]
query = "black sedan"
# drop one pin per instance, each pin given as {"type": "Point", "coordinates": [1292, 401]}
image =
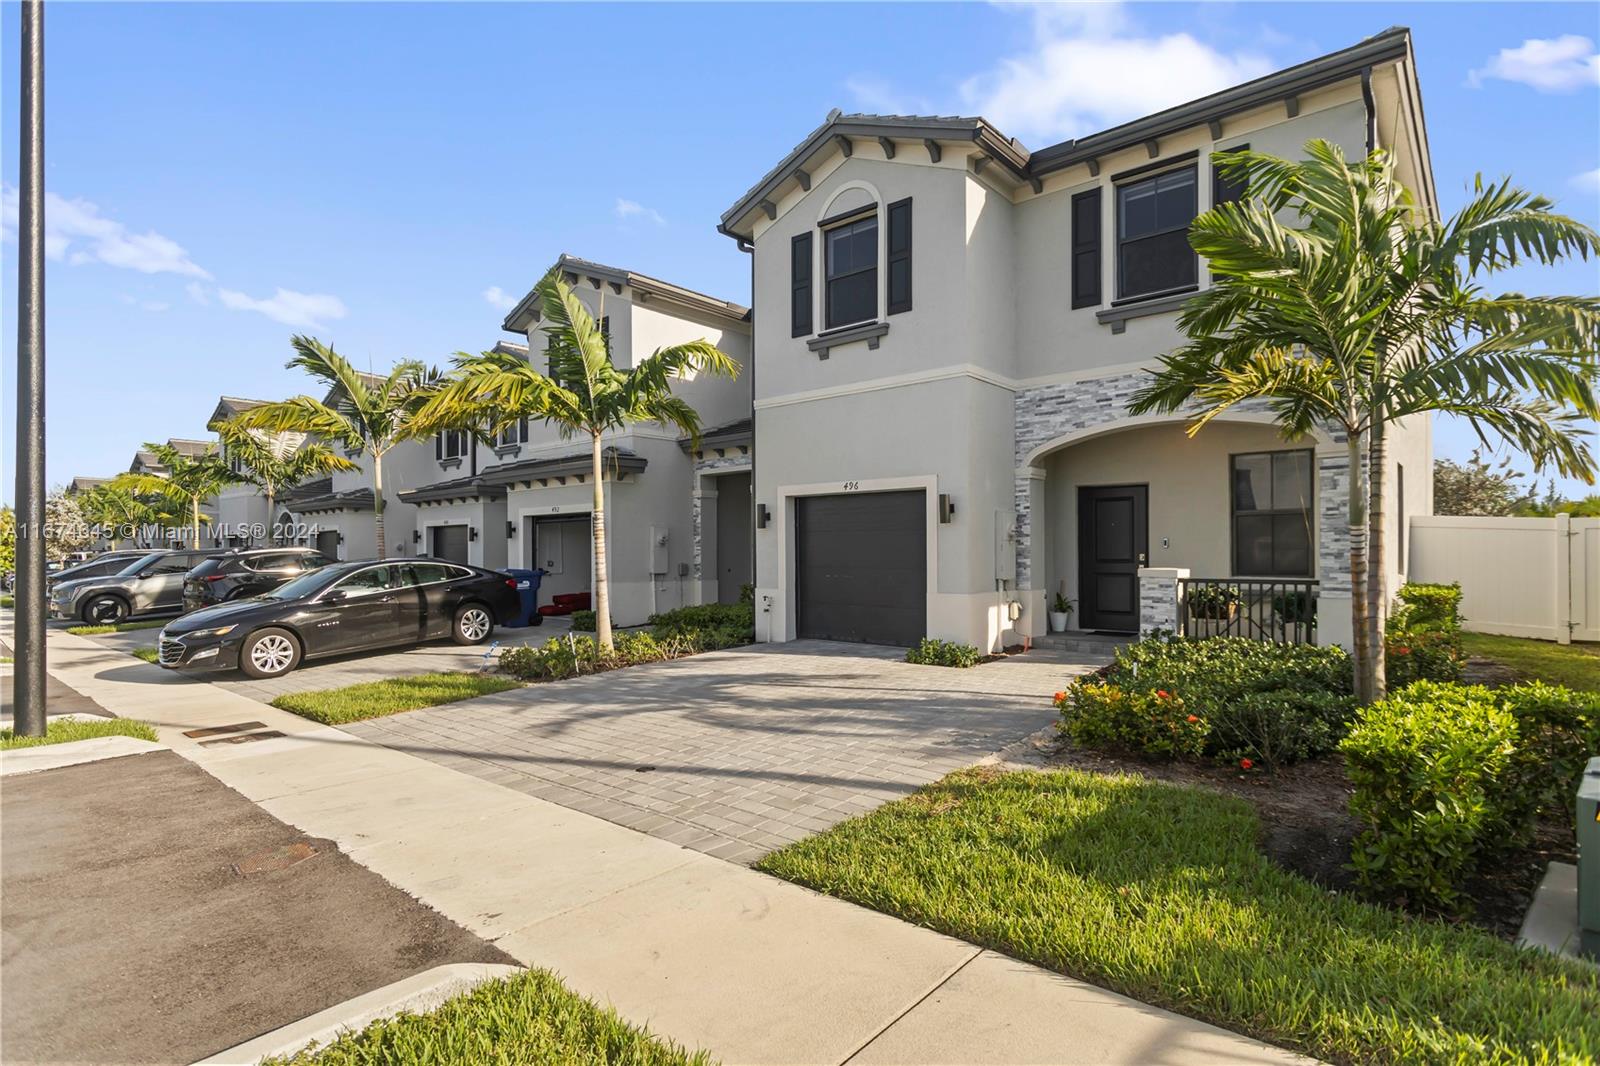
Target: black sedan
{"type": "Point", "coordinates": [241, 574]}
{"type": "Point", "coordinates": [342, 608]}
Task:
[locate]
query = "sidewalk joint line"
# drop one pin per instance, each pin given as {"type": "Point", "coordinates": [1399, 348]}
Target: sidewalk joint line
{"type": "Point", "coordinates": [920, 1000]}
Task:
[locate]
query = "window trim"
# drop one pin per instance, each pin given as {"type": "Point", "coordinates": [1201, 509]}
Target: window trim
{"type": "Point", "coordinates": [1140, 176]}
{"type": "Point", "coordinates": [827, 226]}
{"type": "Point", "coordinates": [1310, 512]}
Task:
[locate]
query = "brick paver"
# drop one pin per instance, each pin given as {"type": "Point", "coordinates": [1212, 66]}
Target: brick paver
{"type": "Point", "coordinates": [736, 753]}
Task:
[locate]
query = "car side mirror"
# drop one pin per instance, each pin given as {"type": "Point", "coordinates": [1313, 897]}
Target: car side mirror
{"type": "Point", "coordinates": [336, 596]}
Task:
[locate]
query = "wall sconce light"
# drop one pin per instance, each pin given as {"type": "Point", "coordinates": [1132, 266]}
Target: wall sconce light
{"type": "Point", "coordinates": [416, 536]}
{"type": "Point", "coordinates": [947, 508]}
{"type": "Point", "coordinates": [761, 516]}
{"type": "Point", "coordinates": [511, 529]}
{"type": "Point", "coordinates": [341, 538]}
{"type": "Point", "coordinates": [472, 532]}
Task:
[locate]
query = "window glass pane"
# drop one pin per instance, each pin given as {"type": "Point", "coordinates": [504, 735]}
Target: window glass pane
{"type": "Point", "coordinates": [1156, 264]}
{"type": "Point", "coordinates": [1252, 489]}
{"type": "Point", "coordinates": [853, 298]}
{"type": "Point", "coordinates": [1291, 480]}
{"type": "Point", "coordinates": [1291, 545]}
{"type": "Point", "coordinates": [1138, 209]}
{"type": "Point", "coordinates": [1252, 545]}
{"type": "Point", "coordinates": [429, 572]}
{"type": "Point", "coordinates": [372, 579]}
{"type": "Point", "coordinates": [1175, 199]}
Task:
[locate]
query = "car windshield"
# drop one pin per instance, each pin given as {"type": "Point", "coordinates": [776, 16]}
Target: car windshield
{"type": "Point", "coordinates": [307, 584]}
{"type": "Point", "coordinates": [136, 565]}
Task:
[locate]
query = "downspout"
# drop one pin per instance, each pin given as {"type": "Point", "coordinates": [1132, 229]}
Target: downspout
{"type": "Point", "coordinates": [749, 248]}
{"type": "Point", "coordinates": [1371, 106]}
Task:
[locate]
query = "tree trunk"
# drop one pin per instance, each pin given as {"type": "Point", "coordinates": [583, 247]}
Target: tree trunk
{"type": "Point", "coordinates": [194, 516]}
{"type": "Point", "coordinates": [1357, 520]}
{"type": "Point", "coordinates": [272, 505]}
{"type": "Point", "coordinates": [377, 502]}
{"type": "Point", "coordinates": [602, 584]}
{"type": "Point", "coordinates": [1377, 562]}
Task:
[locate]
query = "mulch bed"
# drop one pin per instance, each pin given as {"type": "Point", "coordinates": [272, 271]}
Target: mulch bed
{"type": "Point", "coordinates": [1306, 824]}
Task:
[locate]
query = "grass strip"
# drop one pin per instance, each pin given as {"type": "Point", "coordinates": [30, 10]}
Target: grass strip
{"type": "Point", "coordinates": [529, 1017]}
{"type": "Point", "coordinates": [149, 655]}
{"type": "Point", "coordinates": [1159, 892]}
{"type": "Point", "coordinates": [65, 730]}
{"type": "Point", "coordinates": [374, 699]}
{"type": "Point", "coordinates": [1572, 665]}
{"type": "Point", "coordinates": [120, 627]}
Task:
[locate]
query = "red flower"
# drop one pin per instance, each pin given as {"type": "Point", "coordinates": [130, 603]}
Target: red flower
{"type": "Point", "coordinates": [1161, 694]}
{"type": "Point", "coordinates": [1192, 718]}
{"type": "Point", "coordinates": [1402, 650]}
{"type": "Point", "coordinates": [1060, 696]}
{"type": "Point", "coordinates": [1245, 764]}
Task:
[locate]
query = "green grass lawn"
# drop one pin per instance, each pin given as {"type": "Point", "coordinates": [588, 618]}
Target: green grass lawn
{"type": "Point", "coordinates": [1159, 892]}
{"type": "Point", "coordinates": [529, 1018]}
{"type": "Point", "coordinates": [149, 655]}
{"type": "Point", "coordinates": [120, 627]}
{"type": "Point", "coordinates": [374, 699]}
{"type": "Point", "coordinates": [8, 601]}
{"type": "Point", "coordinates": [62, 730]}
{"type": "Point", "coordinates": [1572, 665]}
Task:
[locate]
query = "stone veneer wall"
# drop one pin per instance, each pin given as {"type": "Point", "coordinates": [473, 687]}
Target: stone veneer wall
{"type": "Point", "coordinates": [1050, 411]}
{"type": "Point", "coordinates": [710, 465]}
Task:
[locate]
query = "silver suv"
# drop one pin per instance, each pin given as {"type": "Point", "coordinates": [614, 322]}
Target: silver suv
{"type": "Point", "coordinates": [150, 584]}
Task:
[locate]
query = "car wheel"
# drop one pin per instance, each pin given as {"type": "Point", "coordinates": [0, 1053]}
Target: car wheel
{"type": "Point", "coordinates": [473, 624]}
{"type": "Point", "coordinates": [105, 610]}
{"type": "Point", "coordinates": [269, 653]}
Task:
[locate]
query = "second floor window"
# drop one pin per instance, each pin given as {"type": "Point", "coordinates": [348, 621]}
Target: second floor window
{"type": "Point", "coordinates": [451, 444]}
{"type": "Point", "coordinates": [852, 271]}
{"type": "Point", "coordinates": [1153, 216]}
{"type": "Point", "coordinates": [516, 433]}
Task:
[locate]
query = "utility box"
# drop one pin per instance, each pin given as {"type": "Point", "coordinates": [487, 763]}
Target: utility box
{"type": "Point", "coordinates": [1589, 860]}
{"type": "Point", "coordinates": [658, 550]}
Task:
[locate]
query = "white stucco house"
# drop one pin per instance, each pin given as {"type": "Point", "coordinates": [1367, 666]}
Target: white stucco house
{"type": "Point", "coordinates": [678, 520]}
{"type": "Point", "coordinates": [948, 327]}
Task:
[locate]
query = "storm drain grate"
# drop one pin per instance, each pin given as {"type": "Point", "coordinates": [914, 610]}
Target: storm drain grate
{"type": "Point", "coordinates": [242, 738]}
{"type": "Point", "coordinates": [643, 769]}
{"type": "Point", "coordinates": [219, 730]}
{"type": "Point", "coordinates": [279, 858]}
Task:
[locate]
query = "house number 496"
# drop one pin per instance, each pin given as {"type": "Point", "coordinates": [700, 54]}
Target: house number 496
{"type": "Point", "coordinates": [851, 486]}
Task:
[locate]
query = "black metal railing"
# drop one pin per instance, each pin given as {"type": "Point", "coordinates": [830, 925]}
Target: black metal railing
{"type": "Point", "coordinates": [1280, 611]}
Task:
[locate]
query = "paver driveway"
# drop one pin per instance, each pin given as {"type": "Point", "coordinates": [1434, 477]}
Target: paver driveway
{"type": "Point", "coordinates": [735, 753]}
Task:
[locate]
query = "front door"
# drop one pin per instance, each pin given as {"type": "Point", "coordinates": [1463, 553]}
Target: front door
{"type": "Point", "coordinates": [1113, 542]}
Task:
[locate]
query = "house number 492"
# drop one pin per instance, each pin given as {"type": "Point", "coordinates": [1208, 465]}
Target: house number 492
{"type": "Point", "coordinates": [851, 486]}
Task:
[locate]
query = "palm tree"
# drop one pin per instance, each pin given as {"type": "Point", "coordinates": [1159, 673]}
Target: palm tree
{"type": "Point", "coordinates": [1368, 311]}
{"type": "Point", "coordinates": [364, 412]}
{"type": "Point", "coordinates": [189, 481]}
{"type": "Point", "coordinates": [274, 462]}
{"type": "Point", "coordinates": [584, 393]}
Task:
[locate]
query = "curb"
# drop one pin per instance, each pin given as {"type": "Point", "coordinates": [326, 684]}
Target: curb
{"type": "Point", "coordinates": [32, 760]}
{"type": "Point", "coordinates": [418, 994]}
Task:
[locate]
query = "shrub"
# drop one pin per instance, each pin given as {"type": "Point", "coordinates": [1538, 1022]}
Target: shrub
{"type": "Point", "coordinates": [1558, 729]}
{"type": "Point", "coordinates": [1436, 606]}
{"type": "Point", "coordinates": [1271, 703]}
{"type": "Point", "coordinates": [1212, 601]}
{"type": "Point", "coordinates": [556, 658]}
{"type": "Point", "coordinates": [1101, 715]}
{"type": "Point", "coordinates": [1427, 765]}
{"type": "Point", "coordinates": [934, 652]}
{"type": "Point", "coordinates": [1422, 641]}
{"type": "Point", "coordinates": [708, 626]}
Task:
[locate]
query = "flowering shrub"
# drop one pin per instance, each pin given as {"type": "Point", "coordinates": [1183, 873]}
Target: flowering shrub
{"type": "Point", "coordinates": [1422, 641]}
{"type": "Point", "coordinates": [1100, 715]}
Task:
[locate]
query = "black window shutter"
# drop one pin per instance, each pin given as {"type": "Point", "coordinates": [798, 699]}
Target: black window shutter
{"type": "Point", "coordinates": [1226, 190]}
{"type": "Point", "coordinates": [900, 256]}
{"type": "Point", "coordinates": [1086, 249]}
{"type": "Point", "coordinates": [438, 446]}
{"type": "Point", "coordinates": [800, 285]}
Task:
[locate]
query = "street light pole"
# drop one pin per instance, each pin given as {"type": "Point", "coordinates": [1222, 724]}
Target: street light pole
{"type": "Point", "coordinates": [28, 710]}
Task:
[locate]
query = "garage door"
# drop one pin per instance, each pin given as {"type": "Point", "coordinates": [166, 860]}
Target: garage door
{"type": "Point", "coordinates": [450, 543]}
{"type": "Point", "coordinates": [328, 543]}
{"type": "Point", "coordinates": [861, 567]}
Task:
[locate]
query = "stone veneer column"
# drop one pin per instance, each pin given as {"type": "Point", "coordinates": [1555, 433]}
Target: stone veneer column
{"type": "Point", "coordinates": [1158, 598]}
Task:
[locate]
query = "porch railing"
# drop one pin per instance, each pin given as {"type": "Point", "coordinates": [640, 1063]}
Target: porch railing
{"type": "Point", "coordinates": [1280, 611]}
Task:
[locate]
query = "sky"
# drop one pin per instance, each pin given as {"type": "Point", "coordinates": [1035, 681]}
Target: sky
{"type": "Point", "coordinates": [391, 177]}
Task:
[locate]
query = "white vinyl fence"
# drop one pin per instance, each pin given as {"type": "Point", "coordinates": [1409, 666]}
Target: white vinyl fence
{"type": "Point", "coordinates": [1523, 577]}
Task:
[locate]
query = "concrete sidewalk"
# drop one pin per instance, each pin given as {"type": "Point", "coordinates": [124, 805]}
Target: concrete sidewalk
{"type": "Point", "coordinates": [709, 953]}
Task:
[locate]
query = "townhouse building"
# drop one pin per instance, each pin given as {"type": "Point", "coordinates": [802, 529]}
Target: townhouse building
{"type": "Point", "coordinates": [948, 328]}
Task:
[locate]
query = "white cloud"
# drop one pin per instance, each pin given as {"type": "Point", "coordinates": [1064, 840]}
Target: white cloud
{"type": "Point", "coordinates": [875, 95]}
{"type": "Point", "coordinates": [306, 310]}
{"type": "Point", "coordinates": [1588, 181]}
{"type": "Point", "coordinates": [1549, 64]}
{"type": "Point", "coordinates": [499, 298]}
{"type": "Point", "coordinates": [629, 209]}
{"type": "Point", "coordinates": [197, 293]}
{"type": "Point", "coordinates": [148, 305]}
{"type": "Point", "coordinates": [77, 227]}
{"type": "Point", "coordinates": [1088, 68]}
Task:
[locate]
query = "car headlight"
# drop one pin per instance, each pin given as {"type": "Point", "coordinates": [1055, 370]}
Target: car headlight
{"type": "Point", "coordinates": [214, 631]}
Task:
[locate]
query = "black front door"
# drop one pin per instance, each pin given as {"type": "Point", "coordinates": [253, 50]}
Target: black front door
{"type": "Point", "coordinates": [1113, 542]}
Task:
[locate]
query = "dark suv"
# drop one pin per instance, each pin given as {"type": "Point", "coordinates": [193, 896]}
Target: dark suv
{"type": "Point", "coordinates": [239, 574]}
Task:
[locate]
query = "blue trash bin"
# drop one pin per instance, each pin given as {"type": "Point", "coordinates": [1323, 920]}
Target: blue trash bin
{"type": "Point", "coordinates": [528, 591]}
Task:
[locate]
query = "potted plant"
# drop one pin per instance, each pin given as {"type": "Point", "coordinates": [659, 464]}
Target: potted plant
{"type": "Point", "coordinates": [1212, 608]}
{"type": "Point", "coordinates": [1060, 613]}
